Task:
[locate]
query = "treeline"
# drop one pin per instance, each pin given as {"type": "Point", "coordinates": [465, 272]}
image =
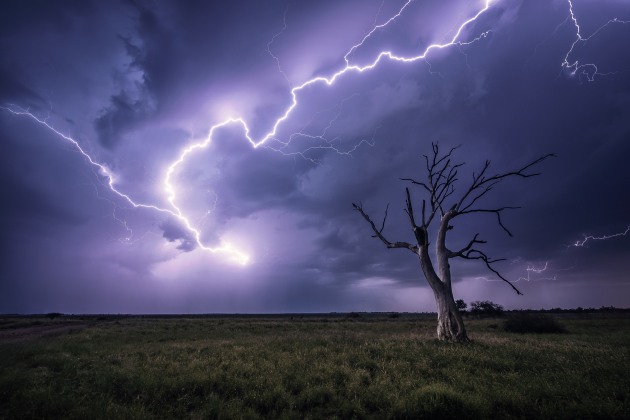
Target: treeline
{"type": "Point", "coordinates": [491, 309]}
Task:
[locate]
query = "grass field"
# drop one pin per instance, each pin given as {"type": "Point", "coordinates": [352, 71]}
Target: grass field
{"type": "Point", "coordinates": [310, 367]}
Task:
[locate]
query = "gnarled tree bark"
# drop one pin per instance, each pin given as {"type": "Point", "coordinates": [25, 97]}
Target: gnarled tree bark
{"type": "Point", "coordinates": [439, 184]}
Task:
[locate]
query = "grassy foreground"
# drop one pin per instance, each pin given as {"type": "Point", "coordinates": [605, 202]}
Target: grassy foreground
{"type": "Point", "coordinates": [310, 367]}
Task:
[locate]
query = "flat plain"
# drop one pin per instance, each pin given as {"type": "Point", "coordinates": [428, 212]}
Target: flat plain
{"type": "Point", "coordinates": [310, 366]}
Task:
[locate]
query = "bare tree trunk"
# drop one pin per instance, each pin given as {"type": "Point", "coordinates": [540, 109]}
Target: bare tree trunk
{"type": "Point", "coordinates": [450, 324]}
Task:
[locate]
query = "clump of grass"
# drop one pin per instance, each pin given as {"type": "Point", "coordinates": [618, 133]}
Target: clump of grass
{"type": "Point", "coordinates": [523, 323]}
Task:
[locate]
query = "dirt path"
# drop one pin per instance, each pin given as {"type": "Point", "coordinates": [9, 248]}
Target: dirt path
{"type": "Point", "coordinates": [37, 331]}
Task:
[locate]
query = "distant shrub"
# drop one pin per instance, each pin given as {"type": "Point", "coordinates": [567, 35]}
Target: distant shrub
{"type": "Point", "coordinates": [485, 308]}
{"type": "Point", "coordinates": [523, 322]}
{"type": "Point", "coordinates": [53, 315]}
{"type": "Point", "coordinates": [461, 305]}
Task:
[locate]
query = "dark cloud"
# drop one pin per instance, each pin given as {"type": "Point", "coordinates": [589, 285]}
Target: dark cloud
{"type": "Point", "coordinates": [175, 233]}
{"type": "Point", "coordinates": [121, 115]}
{"type": "Point", "coordinates": [31, 207]}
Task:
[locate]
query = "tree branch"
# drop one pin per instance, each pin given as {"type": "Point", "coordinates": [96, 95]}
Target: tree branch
{"type": "Point", "coordinates": [480, 255]}
{"type": "Point", "coordinates": [418, 231]}
{"type": "Point", "coordinates": [496, 211]}
{"type": "Point", "coordinates": [468, 247]}
{"type": "Point", "coordinates": [384, 219]}
{"type": "Point", "coordinates": [378, 233]}
{"type": "Point", "coordinates": [481, 182]}
{"type": "Point", "coordinates": [413, 181]}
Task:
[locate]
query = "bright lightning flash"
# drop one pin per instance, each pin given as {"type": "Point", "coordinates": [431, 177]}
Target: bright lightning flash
{"type": "Point", "coordinates": [103, 171]}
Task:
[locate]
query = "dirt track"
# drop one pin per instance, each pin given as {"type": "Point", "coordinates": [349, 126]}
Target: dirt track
{"type": "Point", "coordinates": [37, 331]}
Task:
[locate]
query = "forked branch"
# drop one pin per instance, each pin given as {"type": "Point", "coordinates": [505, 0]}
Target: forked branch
{"type": "Point", "coordinates": [475, 254]}
{"type": "Point", "coordinates": [467, 248]}
{"type": "Point", "coordinates": [495, 211]}
{"type": "Point", "coordinates": [481, 185]}
{"type": "Point", "coordinates": [378, 233]}
{"type": "Point", "coordinates": [439, 184]}
{"type": "Point", "coordinates": [440, 181]}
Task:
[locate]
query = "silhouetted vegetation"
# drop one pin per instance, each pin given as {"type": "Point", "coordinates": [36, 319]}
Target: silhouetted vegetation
{"type": "Point", "coordinates": [485, 308]}
{"type": "Point", "coordinates": [461, 305]}
{"type": "Point", "coordinates": [525, 322]}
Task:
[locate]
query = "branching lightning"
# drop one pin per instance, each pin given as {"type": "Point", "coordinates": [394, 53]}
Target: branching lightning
{"type": "Point", "coordinates": [170, 189]}
{"type": "Point", "coordinates": [324, 142]}
{"type": "Point", "coordinates": [583, 242]}
{"type": "Point", "coordinates": [589, 70]}
{"type": "Point", "coordinates": [111, 183]}
{"type": "Point", "coordinates": [376, 28]}
{"type": "Point", "coordinates": [276, 59]}
{"type": "Point", "coordinates": [535, 270]}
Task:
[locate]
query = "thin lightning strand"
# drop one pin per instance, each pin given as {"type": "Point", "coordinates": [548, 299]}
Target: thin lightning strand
{"type": "Point", "coordinates": [378, 12]}
{"type": "Point", "coordinates": [328, 143]}
{"type": "Point", "coordinates": [376, 28]}
{"type": "Point", "coordinates": [277, 60]}
{"type": "Point", "coordinates": [589, 238]}
{"type": "Point", "coordinates": [532, 269]}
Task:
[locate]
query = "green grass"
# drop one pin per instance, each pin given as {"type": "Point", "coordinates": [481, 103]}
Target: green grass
{"type": "Point", "coordinates": [316, 368]}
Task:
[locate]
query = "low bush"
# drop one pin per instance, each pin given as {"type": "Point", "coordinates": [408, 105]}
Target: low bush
{"type": "Point", "coordinates": [485, 309]}
{"type": "Point", "coordinates": [523, 322]}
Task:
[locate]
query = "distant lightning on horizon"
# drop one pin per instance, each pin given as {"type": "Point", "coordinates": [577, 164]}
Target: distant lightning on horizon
{"type": "Point", "coordinates": [590, 238]}
{"type": "Point", "coordinates": [170, 189]}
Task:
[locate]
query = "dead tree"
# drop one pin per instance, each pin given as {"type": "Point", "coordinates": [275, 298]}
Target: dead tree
{"type": "Point", "coordinates": [439, 186]}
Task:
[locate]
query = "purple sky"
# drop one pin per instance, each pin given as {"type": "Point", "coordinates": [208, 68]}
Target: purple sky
{"type": "Point", "coordinates": [135, 83]}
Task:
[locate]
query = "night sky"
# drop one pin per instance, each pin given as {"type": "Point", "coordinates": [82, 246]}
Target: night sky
{"type": "Point", "coordinates": [135, 83]}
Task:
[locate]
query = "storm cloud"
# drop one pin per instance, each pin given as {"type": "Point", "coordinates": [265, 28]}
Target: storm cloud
{"type": "Point", "coordinates": [136, 83]}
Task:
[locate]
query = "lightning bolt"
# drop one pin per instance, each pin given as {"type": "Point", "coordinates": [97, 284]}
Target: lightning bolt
{"type": "Point", "coordinates": [376, 28]}
{"type": "Point", "coordinates": [325, 143]}
{"type": "Point", "coordinates": [589, 70]}
{"type": "Point", "coordinates": [532, 269]}
{"type": "Point", "coordinates": [106, 173]}
{"type": "Point", "coordinates": [589, 238]}
{"type": "Point", "coordinates": [329, 81]}
{"type": "Point", "coordinates": [175, 209]}
{"type": "Point", "coordinates": [276, 59]}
